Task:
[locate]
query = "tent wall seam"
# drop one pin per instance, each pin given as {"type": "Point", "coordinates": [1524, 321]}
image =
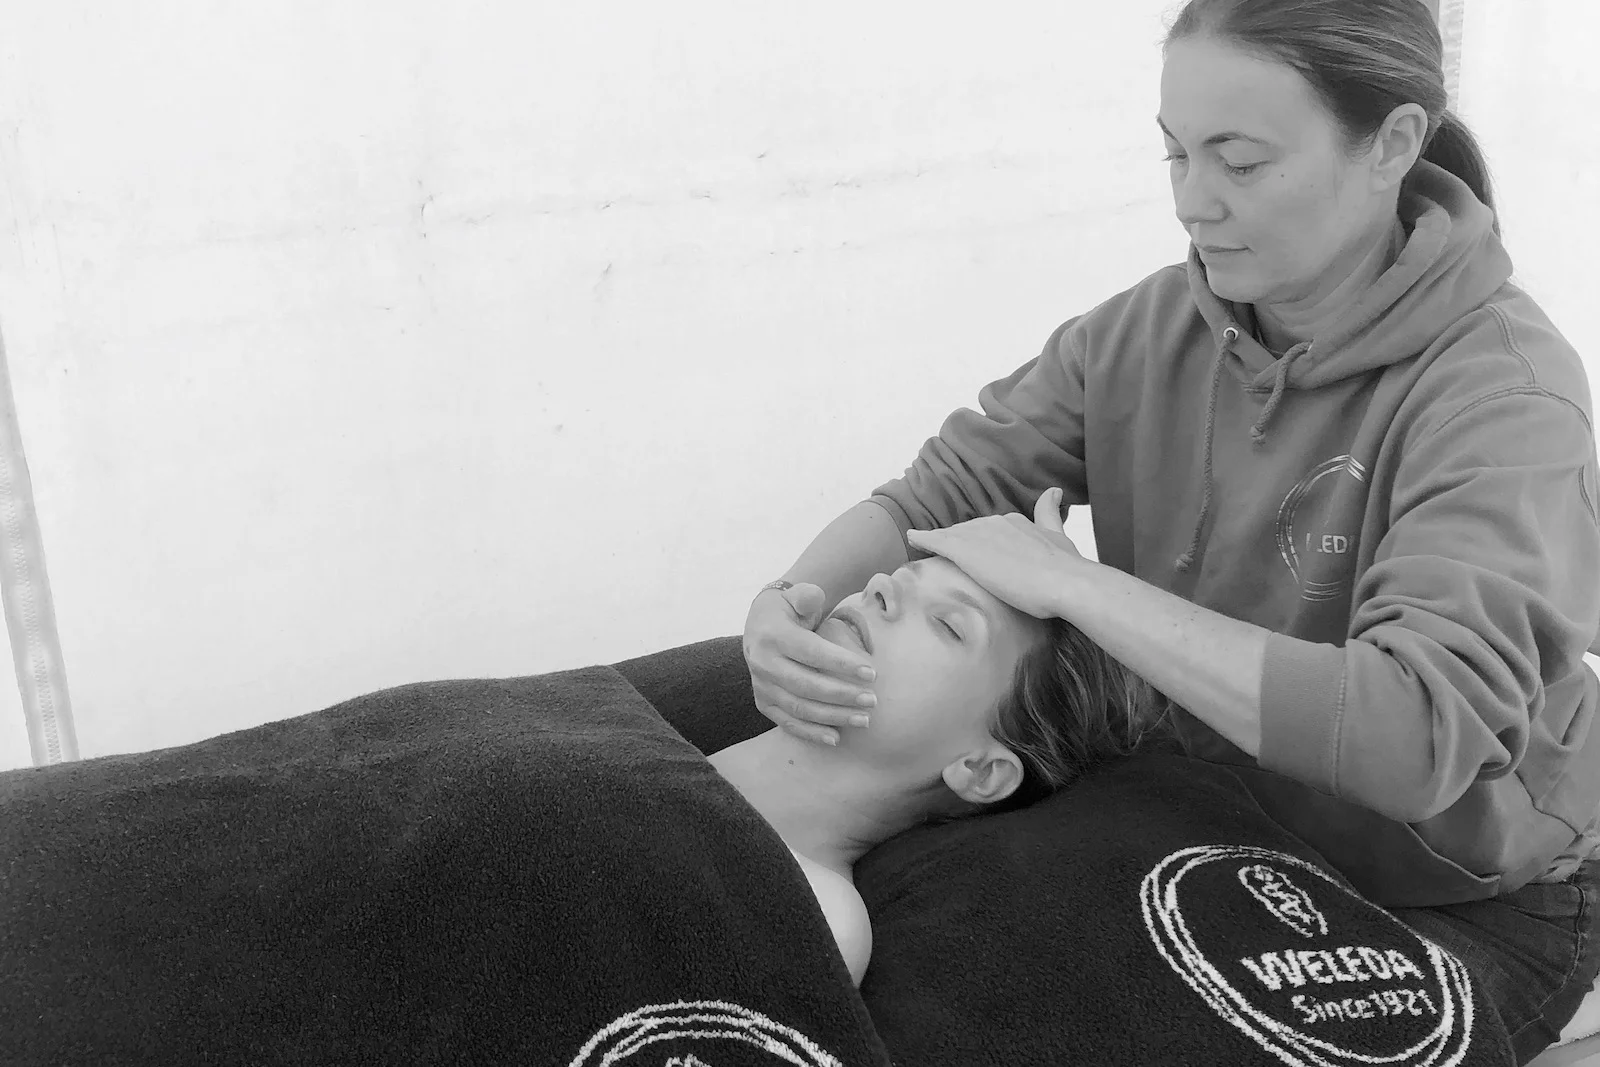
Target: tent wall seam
{"type": "Point", "coordinates": [25, 590]}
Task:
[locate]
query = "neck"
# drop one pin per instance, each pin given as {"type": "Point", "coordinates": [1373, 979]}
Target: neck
{"type": "Point", "coordinates": [824, 803]}
{"type": "Point", "coordinates": [1284, 325]}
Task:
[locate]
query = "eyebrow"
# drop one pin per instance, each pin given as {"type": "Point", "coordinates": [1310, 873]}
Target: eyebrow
{"type": "Point", "coordinates": [1216, 138]}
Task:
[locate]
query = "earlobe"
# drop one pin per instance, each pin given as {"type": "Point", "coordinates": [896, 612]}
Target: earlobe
{"type": "Point", "coordinates": [985, 777]}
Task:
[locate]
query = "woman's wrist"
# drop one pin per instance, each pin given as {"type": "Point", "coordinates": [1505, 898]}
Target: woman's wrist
{"type": "Point", "coordinates": [777, 587]}
{"type": "Point", "coordinates": [1079, 582]}
{"type": "Point", "coordinates": [764, 594]}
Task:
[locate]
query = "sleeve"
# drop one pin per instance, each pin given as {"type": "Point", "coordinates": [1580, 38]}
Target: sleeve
{"type": "Point", "coordinates": [1028, 438]}
{"type": "Point", "coordinates": [1481, 592]}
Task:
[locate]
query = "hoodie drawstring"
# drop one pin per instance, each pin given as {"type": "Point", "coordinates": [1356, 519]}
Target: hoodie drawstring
{"type": "Point", "coordinates": [1229, 335]}
{"type": "Point", "coordinates": [1258, 432]}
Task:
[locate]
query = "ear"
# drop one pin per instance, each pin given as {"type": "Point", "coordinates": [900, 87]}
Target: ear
{"type": "Point", "coordinates": [1397, 145]}
{"type": "Point", "coordinates": [986, 775]}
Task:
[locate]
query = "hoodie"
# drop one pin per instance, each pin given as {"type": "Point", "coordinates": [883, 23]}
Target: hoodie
{"type": "Point", "coordinates": [1407, 501]}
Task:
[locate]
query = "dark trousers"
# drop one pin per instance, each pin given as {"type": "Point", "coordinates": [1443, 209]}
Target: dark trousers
{"type": "Point", "coordinates": [1532, 951]}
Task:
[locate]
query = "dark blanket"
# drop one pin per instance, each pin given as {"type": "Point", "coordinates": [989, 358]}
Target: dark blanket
{"type": "Point", "coordinates": [527, 871]}
{"type": "Point", "coordinates": [1150, 914]}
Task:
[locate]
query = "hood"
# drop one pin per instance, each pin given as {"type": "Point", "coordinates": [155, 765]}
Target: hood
{"type": "Point", "coordinates": [1451, 264]}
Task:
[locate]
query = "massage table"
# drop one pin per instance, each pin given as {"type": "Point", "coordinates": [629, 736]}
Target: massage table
{"type": "Point", "coordinates": [546, 870]}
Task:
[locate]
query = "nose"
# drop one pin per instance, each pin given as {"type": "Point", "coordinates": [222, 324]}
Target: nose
{"type": "Point", "coordinates": [1194, 199]}
{"type": "Point", "coordinates": [885, 592]}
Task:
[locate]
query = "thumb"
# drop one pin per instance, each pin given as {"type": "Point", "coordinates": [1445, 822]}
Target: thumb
{"type": "Point", "coordinates": [1047, 512]}
{"type": "Point", "coordinates": [807, 601]}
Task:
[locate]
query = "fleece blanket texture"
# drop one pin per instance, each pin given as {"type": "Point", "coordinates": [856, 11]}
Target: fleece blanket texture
{"type": "Point", "coordinates": [521, 871]}
{"type": "Point", "coordinates": [1150, 914]}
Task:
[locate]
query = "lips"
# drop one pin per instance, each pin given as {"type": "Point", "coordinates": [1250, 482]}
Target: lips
{"type": "Point", "coordinates": [852, 618]}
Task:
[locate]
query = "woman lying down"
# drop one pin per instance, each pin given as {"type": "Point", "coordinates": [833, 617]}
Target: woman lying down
{"type": "Point", "coordinates": [514, 868]}
{"type": "Point", "coordinates": [981, 709]}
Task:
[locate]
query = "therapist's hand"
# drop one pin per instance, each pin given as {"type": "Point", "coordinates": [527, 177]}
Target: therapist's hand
{"type": "Point", "coordinates": [1024, 563]}
{"type": "Point", "coordinates": [804, 683]}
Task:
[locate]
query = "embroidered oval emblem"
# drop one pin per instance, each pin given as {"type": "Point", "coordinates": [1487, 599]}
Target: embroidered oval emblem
{"type": "Point", "coordinates": [1317, 547]}
{"type": "Point", "coordinates": [1347, 985]}
{"type": "Point", "coordinates": [688, 1033]}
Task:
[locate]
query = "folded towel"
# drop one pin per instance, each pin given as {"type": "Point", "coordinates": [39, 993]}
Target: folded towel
{"type": "Point", "coordinates": [520, 871]}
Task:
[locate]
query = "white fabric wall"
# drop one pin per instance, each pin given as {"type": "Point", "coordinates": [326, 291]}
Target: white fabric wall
{"type": "Point", "coordinates": [1530, 89]}
{"type": "Point", "coordinates": [360, 344]}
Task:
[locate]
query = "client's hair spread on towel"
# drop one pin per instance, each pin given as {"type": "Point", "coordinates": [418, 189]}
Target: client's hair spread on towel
{"type": "Point", "coordinates": [1072, 707]}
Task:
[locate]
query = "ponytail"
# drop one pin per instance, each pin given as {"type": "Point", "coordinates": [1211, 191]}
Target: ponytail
{"type": "Point", "coordinates": [1453, 147]}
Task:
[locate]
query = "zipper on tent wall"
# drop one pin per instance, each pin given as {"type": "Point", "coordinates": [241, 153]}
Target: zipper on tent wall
{"type": "Point", "coordinates": [25, 590]}
{"type": "Point", "coordinates": [1452, 17]}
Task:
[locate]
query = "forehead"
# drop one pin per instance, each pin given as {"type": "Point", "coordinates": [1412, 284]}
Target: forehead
{"type": "Point", "coordinates": [939, 573]}
{"type": "Point", "coordinates": [1208, 86]}
{"type": "Point", "coordinates": [942, 576]}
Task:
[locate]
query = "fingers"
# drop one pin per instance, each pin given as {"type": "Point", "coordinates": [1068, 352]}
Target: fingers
{"type": "Point", "coordinates": [807, 601]}
{"type": "Point", "coordinates": [796, 681]}
{"type": "Point", "coordinates": [806, 731]}
{"type": "Point", "coordinates": [806, 719]}
{"type": "Point", "coordinates": [1047, 512]}
{"type": "Point", "coordinates": [808, 649]}
{"type": "Point", "coordinates": [775, 636]}
{"type": "Point", "coordinates": [804, 701]}
{"type": "Point", "coordinates": [927, 540]}
{"type": "Point", "coordinates": [804, 694]}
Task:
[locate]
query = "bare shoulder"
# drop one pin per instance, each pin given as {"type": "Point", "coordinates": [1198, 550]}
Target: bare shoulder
{"type": "Point", "coordinates": [846, 913]}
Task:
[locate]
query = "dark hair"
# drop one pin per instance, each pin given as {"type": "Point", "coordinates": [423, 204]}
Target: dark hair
{"type": "Point", "coordinates": [1364, 58]}
{"type": "Point", "coordinates": [1072, 707]}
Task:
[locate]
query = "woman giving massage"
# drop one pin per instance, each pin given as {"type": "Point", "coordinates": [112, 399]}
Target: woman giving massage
{"type": "Point", "coordinates": [1343, 475]}
{"type": "Point", "coordinates": [981, 708]}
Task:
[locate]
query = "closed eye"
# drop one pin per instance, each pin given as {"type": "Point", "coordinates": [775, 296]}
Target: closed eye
{"type": "Point", "coordinates": [1238, 172]}
{"type": "Point", "coordinates": [948, 627]}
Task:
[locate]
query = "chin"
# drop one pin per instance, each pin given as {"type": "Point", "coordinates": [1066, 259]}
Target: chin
{"type": "Point", "coordinates": [1241, 290]}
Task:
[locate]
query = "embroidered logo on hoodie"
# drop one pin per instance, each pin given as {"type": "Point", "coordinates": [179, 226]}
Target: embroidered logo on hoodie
{"type": "Point", "coordinates": [1316, 527]}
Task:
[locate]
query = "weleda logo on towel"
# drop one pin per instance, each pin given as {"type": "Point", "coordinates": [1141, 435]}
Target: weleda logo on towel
{"type": "Point", "coordinates": [1312, 536]}
{"type": "Point", "coordinates": [1287, 902]}
{"type": "Point", "coordinates": [677, 1034]}
{"type": "Point", "coordinates": [1347, 985]}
